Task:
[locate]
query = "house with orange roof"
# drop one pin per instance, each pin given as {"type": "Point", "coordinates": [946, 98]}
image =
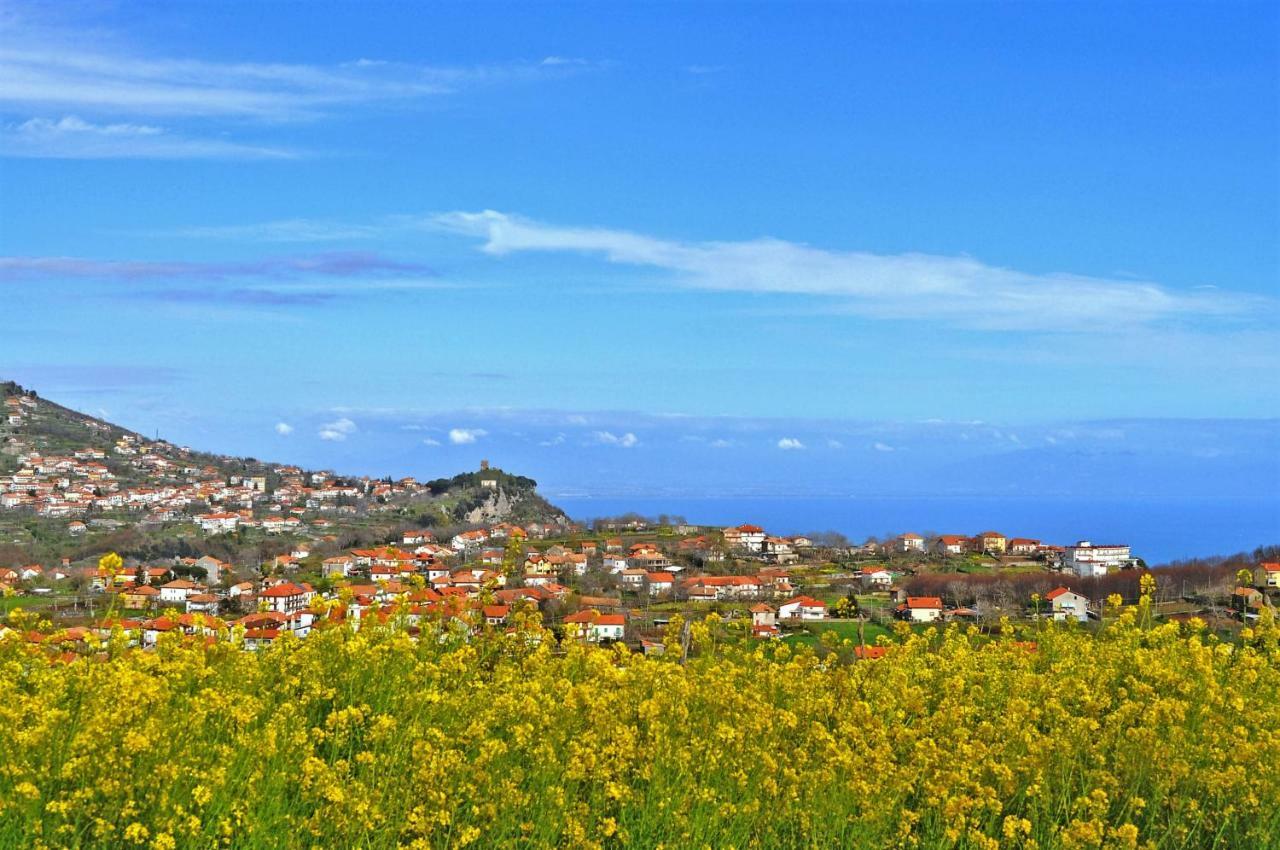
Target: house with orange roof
{"type": "Point", "coordinates": [990, 543]}
{"type": "Point", "coordinates": [592, 626]}
{"type": "Point", "coordinates": [178, 590]}
{"type": "Point", "coordinates": [1067, 604]}
{"type": "Point", "coordinates": [802, 608]}
{"type": "Point", "coordinates": [1267, 575]}
{"type": "Point", "coordinates": [202, 603]}
{"type": "Point", "coordinates": [749, 538]}
{"type": "Point", "coordinates": [139, 597]}
{"type": "Point", "coordinates": [660, 583]}
{"type": "Point", "coordinates": [495, 615]}
{"type": "Point", "coordinates": [1023, 546]}
{"type": "Point", "coordinates": [880, 578]}
{"type": "Point", "coordinates": [287, 597]}
{"type": "Point", "coordinates": [921, 609]}
{"type": "Point", "coordinates": [764, 621]}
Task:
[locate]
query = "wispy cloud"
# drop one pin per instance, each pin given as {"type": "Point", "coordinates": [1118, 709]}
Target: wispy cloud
{"type": "Point", "coordinates": [338, 430]}
{"type": "Point", "coordinates": [954, 290]}
{"type": "Point", "coordinates": [284, 429]}
{"type": "Point", "coordinates": [71, 137]}
{"type": "Point", "coordinates": [76, 71]}
{"type": "Point", "coordinates": [465, 436]}
{"type": "Point", "coordinates": [325, 264]}
{"type": "Point", "coordinates": [95, 73]}
{"type": "Point", "coordinates": [790, 444]}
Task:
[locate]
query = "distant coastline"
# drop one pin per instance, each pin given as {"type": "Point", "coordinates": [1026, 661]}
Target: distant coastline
{"type": "Point", "coordinates": [1160, 530]}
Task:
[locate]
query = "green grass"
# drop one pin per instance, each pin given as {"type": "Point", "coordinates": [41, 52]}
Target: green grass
{"type": "Point", "coordinates": [845, 629]}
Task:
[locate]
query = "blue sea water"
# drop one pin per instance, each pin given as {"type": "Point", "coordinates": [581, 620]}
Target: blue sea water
{"type": "Point", "coordinates": [1159, 530]}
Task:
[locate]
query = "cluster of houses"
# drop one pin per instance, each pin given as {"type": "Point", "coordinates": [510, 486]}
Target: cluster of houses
{"type": "Point", "coordinates": [90, 482]}
{"type": "Point", "coordinates": [1249, 601]}
{"type": "Point", "coordinates": [156, 482]}
{"type": "Point", "coordinates": [1084, 558]}
{"type": "Point", "coordinates": [477, 577]}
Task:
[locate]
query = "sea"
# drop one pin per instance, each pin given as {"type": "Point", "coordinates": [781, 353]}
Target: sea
{"type": "Point", "coordinates": [1159, 530]}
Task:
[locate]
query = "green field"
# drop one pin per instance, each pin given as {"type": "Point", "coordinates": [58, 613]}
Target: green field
{"type": "Point", "coordinates": [846, 629]}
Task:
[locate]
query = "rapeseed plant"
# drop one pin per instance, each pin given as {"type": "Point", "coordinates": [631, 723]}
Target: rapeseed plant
{"type": "Point", "coordinates": [1138, 736]}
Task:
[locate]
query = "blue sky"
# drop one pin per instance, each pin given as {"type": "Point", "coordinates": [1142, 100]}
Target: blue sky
{"type": "Point", "coordinates": [717, 247]}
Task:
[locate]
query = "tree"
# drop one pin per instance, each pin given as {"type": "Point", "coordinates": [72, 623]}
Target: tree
{"type": "Point", "coordinates": [513, 555]}
{"type": "Point", "coordinates": [846, 608]}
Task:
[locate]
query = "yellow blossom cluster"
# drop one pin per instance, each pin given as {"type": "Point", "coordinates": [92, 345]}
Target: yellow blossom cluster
{"type": "Point", "coordinates": [1135, 736]}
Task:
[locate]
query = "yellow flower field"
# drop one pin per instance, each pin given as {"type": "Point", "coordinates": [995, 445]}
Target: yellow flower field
{"type": "Point", "coordinates": [1141, 736]}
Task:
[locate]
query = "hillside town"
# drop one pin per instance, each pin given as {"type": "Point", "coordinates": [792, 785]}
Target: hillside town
{"type": "Point", "coordinates": [593, 587]}
{"type": "Point", "coordinates": [238, 547]}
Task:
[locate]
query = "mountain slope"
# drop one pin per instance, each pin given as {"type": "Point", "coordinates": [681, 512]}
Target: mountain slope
{"type": "Point", "coordinates": [65, 475]}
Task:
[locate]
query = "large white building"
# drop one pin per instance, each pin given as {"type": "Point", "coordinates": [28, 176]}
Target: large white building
{"type": "Point", "coordinates": [1087, 559]}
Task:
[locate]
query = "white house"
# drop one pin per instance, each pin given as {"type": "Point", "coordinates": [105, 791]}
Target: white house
{"type": "Point", "coordinates": [218, 523]}
{"type": "Point", "coordinates": [1068, 604]}
{"type": "Point", "coordinates": [202, 603]}
{"type": "Point", "coordinates": [922, 609]}
{"type": "Point", "coordinates": [764, 621]}
{"type": "Point", "coordinates": [1087, 560]}
{"type": "Point", "coordinates": [910, 543]}
{"type": "Point", "coordinates": [878, 577]}
{"type": "Point", "coordinates": [178, 590]}
{"type": "Point", "coordinates": [288, 597]}
{"type": "Point", "coordinates": [660, 583]}
{"type": "Point", "coordinates": [802, 608]}
{"type": "Point", "coordinates": [747, 537]}
{"type": "Point", "coordinates": [594, 627]}
{"type": "Point", "coordinates": [469, 540]}
{"type": "Point", "coordinates": [339, 565]}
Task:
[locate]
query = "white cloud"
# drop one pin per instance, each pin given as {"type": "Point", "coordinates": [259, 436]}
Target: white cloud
{"type": "Point", "coordinates": [71, 137]}
{"type": "Point", "coordinates": [958, 290]}
{"type": "Point", "coordinates": [337, 431]}
{"type": "Point", "coordinates": [465, 436]}
{"type": "Point", "coordinates": [721, 444]}
{"type": "Point", "coordinates": [71, 70]}
{"type": "Point", "coordinates": [882, 447]}
{"type": "Point", "coordinates": [608, 438]}
{"type": "Point", "coordinates": [790, 444]}
{"type": "Point", "coordinates": [835, 444]}
{"type": "Point", "coordinates": [557, 440]}
{"type": "Point", "coordinates": [431, 441]}
{"type": "Point", "coordinates": [46, 70]}
{"type": "Point", "coordinates": [284, 429]}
